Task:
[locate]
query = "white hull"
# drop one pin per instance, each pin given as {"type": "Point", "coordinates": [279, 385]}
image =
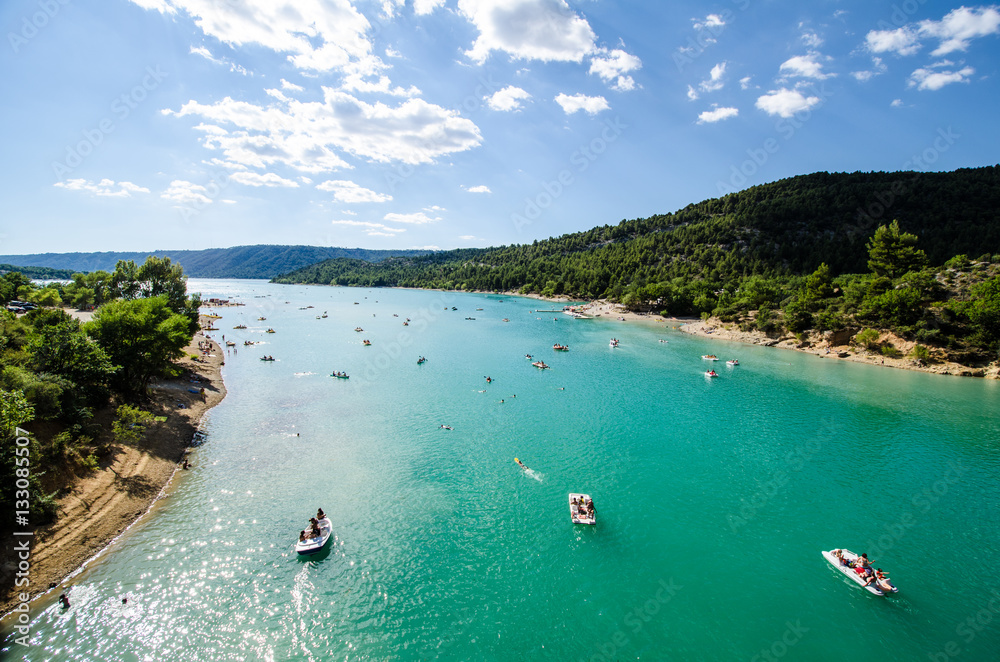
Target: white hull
{"type": "Point", "coordinates": [313, 545]}
{"type": "Point", "coordinates": [849, 571]}
{"type": "Point", "coordinates": [574, 509]}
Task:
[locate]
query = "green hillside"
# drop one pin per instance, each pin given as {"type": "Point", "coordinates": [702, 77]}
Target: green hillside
{"type": "Point", "coordinates": [261, 261]}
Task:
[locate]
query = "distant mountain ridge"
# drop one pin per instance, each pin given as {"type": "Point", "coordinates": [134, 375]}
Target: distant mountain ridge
{"type": "Point", "coordinates": [259, 261]}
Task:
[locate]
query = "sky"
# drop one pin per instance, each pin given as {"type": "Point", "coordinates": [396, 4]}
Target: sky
{"type": "Point", "coordinates": [389, 124]}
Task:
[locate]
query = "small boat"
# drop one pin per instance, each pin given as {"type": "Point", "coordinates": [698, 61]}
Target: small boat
{"type": "Point", "coordinates": [710, 357]}
{"type": "Point", "coordinates": [247, 343]}
{"type": "Point", "coordinates": [270, 331]}
{"type": "Point", "coordinates": [733, 362]}
{"type": "Point", "coordinates": [614, 342]}
{"type": "Point", "coordinates": [421, 360]}
{"type": "Point", "coordinates": [340, 375]}
{"type": "Point", "coordinates": [470, 318]}
{"type": "Point", "coordinates": [212, 316]}
{"type": "Point", "coordinates": [478, 308]}
{"type": "Point", "coordinates": [527, 356]}
{"type": "Point", "coordinates": [358, 304]}
{"type": "Point", "coordinates": [230, 343]}
{"type": "Point", "coordinates": [846, 566]}
{"type": "Point", "coordinates": [505, 320]}
{"type": "Point", "coordinates": [313, 545]}
{"type": "Point", "coordinates": [454, 308]}
{"type": "Point", "coordinates": [711, 373]}
{"type": "Point", "coordinates": [267, 358]}
{"type": "Point", "coordinates": [581, 509]}
{"type": "Point", "coordinates": [240, 326]}
{"type": "Point", "coordinates": [261, 319]}
{"type": "Point", "coordinates": [323, 316]}
{"type": "Point", "coordinates": [358, 329]}
{"type": "Point", "coordinates": [560, 348]}
{"type": "Point", "coordinates": [366, 343]}
{"type": "Point", "coordinates": [406, 324]}
{"type": "Point", "coordinates": [540, 365]}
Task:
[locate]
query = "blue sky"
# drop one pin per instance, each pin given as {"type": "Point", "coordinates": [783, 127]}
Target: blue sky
{"type": "Point", "coordinates": [169, 124]}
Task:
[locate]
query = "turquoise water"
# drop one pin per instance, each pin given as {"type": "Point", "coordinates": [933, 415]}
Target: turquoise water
{"type": "Point", "coordinates": [714, 499]}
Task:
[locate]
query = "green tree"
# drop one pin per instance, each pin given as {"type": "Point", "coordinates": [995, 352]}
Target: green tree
{"type": "Point", "coordinates": [891, 252]}
{"type": "Point", "coordinates": [819, 284]}
{"type": "Point", "coordinates": [129, 426]}
{"type": "Point", "coordinates": [143, 337]}
{"type": "Point", "coordinates": [984, 312]}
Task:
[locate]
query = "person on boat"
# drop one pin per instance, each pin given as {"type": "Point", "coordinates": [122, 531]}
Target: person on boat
{"type": "Point", "coordinates": [302, 535]}
{"type": "Point", "coordinates": [863, 560]}
{"type": "Point", "coordinates": [320, 514]}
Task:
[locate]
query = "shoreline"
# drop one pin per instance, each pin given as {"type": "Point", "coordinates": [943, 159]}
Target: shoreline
{"type": "Point", "coordinates": [101, 506]}
{"type": "Point", "coordinates": [832, 345]}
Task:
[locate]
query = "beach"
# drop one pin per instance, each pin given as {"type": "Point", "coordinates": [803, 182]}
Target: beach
{"type": "Point", "coordinates": [102, 504]}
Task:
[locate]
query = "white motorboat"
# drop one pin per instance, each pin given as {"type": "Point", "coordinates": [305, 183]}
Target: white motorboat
{"type": "Point", "coordinates": [581, 509]}
{"type": "Point", "coordinates": [313, 545]}
{"type": "Point", "coordinates": [846, 566]}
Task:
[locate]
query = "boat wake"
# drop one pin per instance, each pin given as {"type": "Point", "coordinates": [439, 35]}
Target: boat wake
{"type": "Point", "coordinates": [304, 374]}
{"type": "Point", "coordinates": [534, 474]}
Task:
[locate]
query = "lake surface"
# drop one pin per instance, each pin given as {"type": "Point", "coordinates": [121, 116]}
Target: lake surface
{"type": "Point", "coordinates": [714, 498]}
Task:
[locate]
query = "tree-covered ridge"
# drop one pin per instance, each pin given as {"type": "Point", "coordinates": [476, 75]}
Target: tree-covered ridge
{"type": "Point", "coordinates": [260, 261]}
{"type": "Point", "coordinates": [786, 227]}
{"type": "Point", "coordinates": [38, 273]}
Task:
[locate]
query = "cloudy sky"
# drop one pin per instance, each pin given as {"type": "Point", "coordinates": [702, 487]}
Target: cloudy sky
{"type": "Point", "coordinates": [167, 124]}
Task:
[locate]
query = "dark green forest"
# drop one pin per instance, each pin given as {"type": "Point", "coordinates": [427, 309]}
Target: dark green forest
{"type": "Point", "coordinates": [790, 256]}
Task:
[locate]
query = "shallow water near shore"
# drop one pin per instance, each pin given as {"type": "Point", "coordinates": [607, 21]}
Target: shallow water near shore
{"type": "Point", "coordinates": [714, 498]}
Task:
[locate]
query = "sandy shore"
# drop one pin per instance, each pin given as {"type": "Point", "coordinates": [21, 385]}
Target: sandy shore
{"type": "Point", "coordinates": [836, 346]}
{"type": "Point", "coordinates": [130, 479]}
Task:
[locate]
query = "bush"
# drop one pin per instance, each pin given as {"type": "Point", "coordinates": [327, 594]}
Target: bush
{"type": "Point", "coordinates": [891, 352]}
{"type": "Point", "coordinates": [921, 353]}
{"type": "Point", "coordinates": [867, 338]}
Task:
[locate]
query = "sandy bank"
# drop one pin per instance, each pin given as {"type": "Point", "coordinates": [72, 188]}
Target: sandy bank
{"type": "Point", "coordinates": [100, 506]}
{"type": "Point", "coordinates": [836, 346]}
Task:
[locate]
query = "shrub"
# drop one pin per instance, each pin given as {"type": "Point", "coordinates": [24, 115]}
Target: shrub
{"type": "Point", "coordinates": [891, 352]}
{"type": "Point", "coordinates": [867, 338]}
{"type": "Point", "coordinates": [921, 353]}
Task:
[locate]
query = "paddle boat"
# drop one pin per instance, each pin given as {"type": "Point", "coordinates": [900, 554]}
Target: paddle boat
{"type": "Point", "coordinates": [478, 308]}
{"type": "Point", "coordinates": [560, 348]}
{"type": "Point", "coordinates": [527, 356]}
{"type": "Point", "coordinates": [614, 342]}
{"type": "Point", "coordinates": [710, 357]}
{"type": "Point", "coordinates": [230, 343]}
{"type": "Point", "coordinates": [446, 427]}
{"type": "Point", "coordinates": [261, 319]}
{"type": "Point", "coordinates": [358, 329]}
{"type": "Point", "coordinates": [471, 318]}
{"type": "Point", "coordinates": [733, 362]}
{"type": "Point", "coordinates": [540, 365]}
{"type": "Point", "coordinates": [581, 509]}
{"type": "Point", "coordinates": [421, 360]}
{"type": "Point", "coordinates": [311, 545]}
{"type": "Point", "coordinates": [240, 326]}
{"type": "Point", "coordinates": [247, 343]}
{"type": "Point", "coordinates": [270, 331]}
{"type": "Point", "coordinates": [846, 562]}
{"type": "Point", "coordinates": [267, 358]}
{"type": "Point", "coordinates": [711, 373]}
{"type": "Point", "coordinates": [366, 343]}
{"type": "Point", "coordinates": [406, 324]}
{"type": "Point", "coordinates": [340, 375]}
{"type": "Point", "coordinates": [505, 320]}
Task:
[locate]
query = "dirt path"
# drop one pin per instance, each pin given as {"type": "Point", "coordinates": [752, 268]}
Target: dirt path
{"type": "Point", "coordinates": [103, 504]}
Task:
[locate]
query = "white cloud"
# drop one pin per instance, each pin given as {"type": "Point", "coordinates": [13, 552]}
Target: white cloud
{"type": "Point", "coordinates": [710, 22]}
{"type": "Point", "coordinates": [612, 67]}
{"type": "Point", "coordinates": [417, 218]}
{"type": "Point", "coordinates": [591, 105]}
{"type": "Point", "coordinates": [896, 103]}
{"type": "Point", "coordinates": [186, 193]}
{"type": "Point", "coordinates": [804, 66]}
{"type": "Point", "coordinates": [546, 30]}
{"type": "Point", "coordinates": [317, 35]}
{"type": "Point", "coordinates": [902, 41]}
{"type": "Point", "coordinates": [785, 102]}
{"type": "Point", "coordinates": [349, 192]}
{"type": "Point", "coordinates": [482, 188]}
{"type": "Point", "coordinates": [812, 39]}
{"type": "Point", "coordinates": [928, 79]}
{"type": "Point", "coordinates": [268, 179]}
{"type": "Point", "coordinates": [714, 81]}
{"type": "Point", "coordinates": [357, 83]}
{"type": "Point", "coordinates": [745, 83]}
{"type": "Point", "coordinates": [106, 188]}
{"type": "Point", "coordinates": [423, 7]}
{"type": "Point", "coordinates": [960, 26]}
{"type": "Point", "coordinates": [285, 85]}
{"type": "Point", "coordinates": [207, 54]}
{"type": "Point", "coordinates": [310, 136]}
{"type": "Point", "coordinates": [372, 229]}
{"type": "Point", "coordinates": [717, 115]}
{"type": "Point", "coordinates": [692, 93]}
{"type": "Point", "coordinates": [878, 67]}
{"type": "Point", "coordinates": [507, 99]}
{"type": "Point", "coordinates": [954, 32]}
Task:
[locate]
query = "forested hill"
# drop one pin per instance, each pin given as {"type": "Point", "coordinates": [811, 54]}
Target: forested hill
{"type": "Point", "coordinates": [261, 261]}
{"type": "Point", "coordinates": [784, 228]}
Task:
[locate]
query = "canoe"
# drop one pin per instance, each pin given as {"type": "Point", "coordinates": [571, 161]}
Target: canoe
{"type": "Point", "coordinates": [849, 572]}
{"type": "Point", "coordinates": [313, 545]}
